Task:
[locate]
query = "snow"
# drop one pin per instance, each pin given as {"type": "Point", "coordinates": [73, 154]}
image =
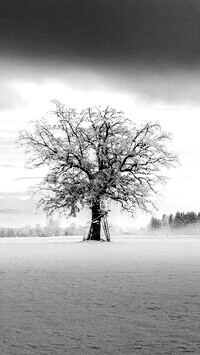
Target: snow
{"type": "Point", "coordinates": [136, 295]}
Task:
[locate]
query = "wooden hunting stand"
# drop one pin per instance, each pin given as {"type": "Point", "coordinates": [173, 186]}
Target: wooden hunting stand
{"type": "Point", "coordinates": [106, 227]}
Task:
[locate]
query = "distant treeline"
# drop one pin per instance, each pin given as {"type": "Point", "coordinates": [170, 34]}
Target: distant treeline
{"type": "Point", "coordinates": [51, 229]}
{"type": "Point", "coordinates": [179, 220]}
{"type": "Point", "coordinates": [54, 229]}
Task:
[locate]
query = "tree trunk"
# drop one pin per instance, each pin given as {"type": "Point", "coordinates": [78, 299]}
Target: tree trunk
{"type": "Point", "coordinates": [95, 228]}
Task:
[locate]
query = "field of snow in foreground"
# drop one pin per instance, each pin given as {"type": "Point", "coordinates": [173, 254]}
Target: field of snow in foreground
{"type": "Point", "coordinates": [131, 296]}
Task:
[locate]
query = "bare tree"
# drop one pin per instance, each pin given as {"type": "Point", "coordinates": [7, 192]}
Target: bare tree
{"type": "Point", "coordinates": [94, 156]}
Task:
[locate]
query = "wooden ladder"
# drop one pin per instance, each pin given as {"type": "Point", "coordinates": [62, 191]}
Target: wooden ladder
{"type": "Point", "coordinates": [106, 228]}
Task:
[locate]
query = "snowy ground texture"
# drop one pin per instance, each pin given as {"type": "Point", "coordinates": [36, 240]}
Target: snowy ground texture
{"type": "Point", "coordinates": [131, 296]}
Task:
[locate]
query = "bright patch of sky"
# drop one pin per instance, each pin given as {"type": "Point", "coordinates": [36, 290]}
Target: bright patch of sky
{"type": "Point", "coordinates": [182, 191]}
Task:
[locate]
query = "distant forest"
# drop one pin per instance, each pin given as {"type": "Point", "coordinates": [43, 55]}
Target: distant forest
{"type": "Point", "coordinates": [179, 224]}
{"type": "Point", "coordinates": [53, 228]}
{"type": "Point", "coordinates": [177, 221]}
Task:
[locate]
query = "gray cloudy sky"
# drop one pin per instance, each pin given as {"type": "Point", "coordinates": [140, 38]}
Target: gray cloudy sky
{"type": "Point", "coordinates": [140, 55]}
{"type": "Point", "coordinates": [139, 32]}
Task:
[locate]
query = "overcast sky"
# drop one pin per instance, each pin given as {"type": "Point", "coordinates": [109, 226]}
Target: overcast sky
{"type": "Point", "coordinates": [139, 55]}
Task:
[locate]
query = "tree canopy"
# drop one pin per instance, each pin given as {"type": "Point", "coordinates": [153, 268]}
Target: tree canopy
{"type": "Point", "coordinates": [97, 154]}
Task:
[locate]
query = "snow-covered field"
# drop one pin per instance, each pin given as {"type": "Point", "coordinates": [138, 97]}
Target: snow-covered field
{"type": "Point", "coordinates": [136, 295]}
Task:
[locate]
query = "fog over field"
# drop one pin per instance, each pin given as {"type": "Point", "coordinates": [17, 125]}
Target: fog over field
{"type": "Point", "coordinates": [131, 296]}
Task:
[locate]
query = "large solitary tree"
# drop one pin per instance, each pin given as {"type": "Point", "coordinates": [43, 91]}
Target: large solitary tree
{"type": "Point", "coordinates": [94, 156]}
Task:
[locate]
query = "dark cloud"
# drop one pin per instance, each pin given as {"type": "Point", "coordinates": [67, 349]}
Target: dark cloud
{"type": "Point", "coordinates": [146, 48]}
{"type": "Point", "coordinates": [134, 32]}
{"type": "Point", "coordinates": [174, 86]}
